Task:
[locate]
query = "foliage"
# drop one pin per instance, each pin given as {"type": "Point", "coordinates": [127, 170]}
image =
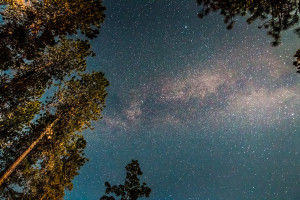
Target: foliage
{"type": "Point", "coordinates": [51, 166]}
{"type": "Point", "coordinates": [46, 92]}
{"type": "Point", "coordinates": [30, 80]}
{"type": "Point", "coordinates": [297, 62]}
{"type": "Point", "coordinates": [276, 16]}
{"type": "Point", "coordinates": [132, 189]}
{"type": "Point", "coordinates": [49, 170]}
{"type": "Point", "coordinates": [29, 27]}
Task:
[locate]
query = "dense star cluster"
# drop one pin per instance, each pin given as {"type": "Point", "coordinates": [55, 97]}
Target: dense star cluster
{"type": "Point", "coordinates": [259, 90]}
{"type": "Point", "coordinates": [209, 113]}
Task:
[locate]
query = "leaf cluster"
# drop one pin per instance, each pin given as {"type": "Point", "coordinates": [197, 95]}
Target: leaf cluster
{"type": "Point", "coordinates": [132, 189]}
{"type": "Point", "coordinates": [45, 90]}
{"type": "Point", "coordinates": [276, 16]}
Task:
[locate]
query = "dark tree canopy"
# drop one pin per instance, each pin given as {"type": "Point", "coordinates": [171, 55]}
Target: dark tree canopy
{"type": "Point", "coordinates": [48, 171]}
{"type": "Point", "coordinates": [47, 98]}
{"type": "Point", "coordinates": [29, 26]}
{"type": "Point", "coordinates": [275, 16]}
{"type": "Point", "coordinates": [132, 188]}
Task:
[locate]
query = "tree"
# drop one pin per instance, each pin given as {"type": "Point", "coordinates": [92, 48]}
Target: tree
{"type": "Point", "coordinates": [77, 103]}
{"type": "Point", "coordinates": [276, 16]}
{"type": "Point", "coordinates": [48, 171]}
{"type": "Point", "coordinates": [60, 157]}
{"type": "Point", "coordinates": [19, 97]}
{"type": "Point", "coordinates": [46, 96]}
{"type": "Point", "coordinates": [31, 26]}
{"type": "Point", "coordinates": [132, 189]}
{"type": "Point", "coordinates": [31, 80]}
{"type": "Point", "coordinates": [33, 56]}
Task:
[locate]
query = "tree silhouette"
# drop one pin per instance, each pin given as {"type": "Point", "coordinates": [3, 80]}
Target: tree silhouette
{"type": "Point", "coordinates": [132, 189]}
{"type": "Point", "coordinates": [276, 16]}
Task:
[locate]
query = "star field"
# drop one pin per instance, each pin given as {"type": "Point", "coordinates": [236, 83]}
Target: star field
{"type": "Point", "coordinates": [209, 113]}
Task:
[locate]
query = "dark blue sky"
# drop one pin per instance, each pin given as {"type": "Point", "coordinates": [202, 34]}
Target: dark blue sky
{"type": "Point", "coordinates": [210, 114]}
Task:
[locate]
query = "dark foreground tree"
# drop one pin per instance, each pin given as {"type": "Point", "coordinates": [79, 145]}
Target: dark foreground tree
{"type": "Point", "coordinates": [132, 189]}
{"type": "Point", "coordinates": [276, 16]}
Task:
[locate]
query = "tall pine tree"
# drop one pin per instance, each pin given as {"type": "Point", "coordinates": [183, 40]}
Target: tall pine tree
{"type": "Point", "coordinates": [46, 96]}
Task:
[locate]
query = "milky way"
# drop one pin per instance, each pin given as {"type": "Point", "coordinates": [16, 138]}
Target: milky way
{"type": "Point", "coordinates": [209, 113]}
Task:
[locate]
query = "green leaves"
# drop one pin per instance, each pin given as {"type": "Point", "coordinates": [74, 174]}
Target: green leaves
{"type": "Point", "coordinates": [81, 100]}
{"type": "Point", "coordinates": [50, 176]}
{"type": "Point", "coordinates": [46, 96]}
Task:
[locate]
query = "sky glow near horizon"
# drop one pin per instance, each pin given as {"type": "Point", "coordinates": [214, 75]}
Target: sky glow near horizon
{"type": "Point", "coordinates": [209, 113]}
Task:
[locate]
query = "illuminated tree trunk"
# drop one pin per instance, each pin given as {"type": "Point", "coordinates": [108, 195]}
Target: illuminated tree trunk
{"type": "Point", "coordinates": [12, 167]}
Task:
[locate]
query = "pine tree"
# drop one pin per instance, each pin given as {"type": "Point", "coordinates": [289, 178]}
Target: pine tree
{"type": "Point", "coordinates": [132, 188]}
{"type": "Point", "coordinates": [276, 16]}
{"type": "Point", "coordinates": [46, 96]}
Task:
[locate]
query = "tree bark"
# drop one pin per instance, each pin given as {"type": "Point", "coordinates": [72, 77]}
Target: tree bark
{"type": "Point", "coordinates": [15, 164]}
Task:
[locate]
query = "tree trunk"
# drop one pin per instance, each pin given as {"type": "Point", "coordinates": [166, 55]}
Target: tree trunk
{"type": "Point", "coordinates": [43, 196]}
{"type": "Point", "coordinates": [24, 154]}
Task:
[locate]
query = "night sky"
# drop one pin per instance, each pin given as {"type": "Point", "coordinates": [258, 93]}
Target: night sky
{"type": "Point", "coordinates": [210, 114]}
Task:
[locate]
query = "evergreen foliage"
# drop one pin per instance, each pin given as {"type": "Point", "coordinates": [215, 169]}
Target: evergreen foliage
{"type": "Point", "coordinates": [47, 98]}
{"type": "Point", "coordinates": [132, 188]}
{"type": "Point", "coordinates": [275, 16]}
